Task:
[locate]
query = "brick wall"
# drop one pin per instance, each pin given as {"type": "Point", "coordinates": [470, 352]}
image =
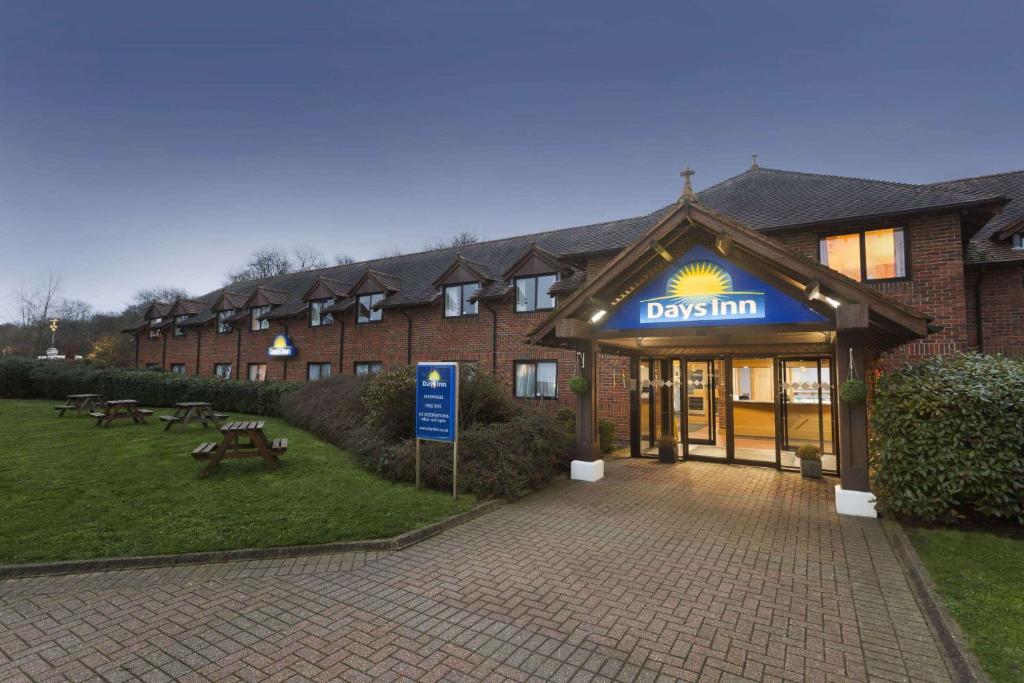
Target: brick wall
{"type": "Point", "coordinates": [1002, 309]}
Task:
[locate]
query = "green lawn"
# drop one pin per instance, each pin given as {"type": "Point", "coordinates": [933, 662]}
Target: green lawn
{"type": "Point", "coordinates": [70, 490]}
{"type": "Point", "coordinates": [981, 579]}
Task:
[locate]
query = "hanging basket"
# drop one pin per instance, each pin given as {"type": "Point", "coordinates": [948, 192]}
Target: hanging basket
{"type": "Point", "coordinates": [853, 391]}
{"type": "Point", "coordinates": [578, 385]}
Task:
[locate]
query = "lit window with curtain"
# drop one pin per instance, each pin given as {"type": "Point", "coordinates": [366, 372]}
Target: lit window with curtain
{"type": "Point", "coordinates": [866, 255]}
{"type": "Point", "coordinates": [536, 379]}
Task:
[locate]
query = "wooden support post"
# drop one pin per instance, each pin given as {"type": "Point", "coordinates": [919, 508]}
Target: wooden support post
{"type": "Point", "coordinates": [587, 441]}
{"type": "Point", "coordinates": [852, 326]}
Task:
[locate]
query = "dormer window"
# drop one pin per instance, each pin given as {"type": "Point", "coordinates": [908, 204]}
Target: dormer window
{"type": "Point", "coordinates": [1018, 241]}
{"type": "Point", "coordinates": [224, 321]}
{"type": "Point", "coordinates": [457, 300]}
{"type": "Point", "coordinates": [179, 331]}
{"type": "Point", "coordinates": [317, 317]}
{"type": "Point", "coordinates": [365, 311]}
{"type": "Point", "coordinates": [532, 293]}
{"type": "Point", "coordinates": [256, 320]}
{"type": "Point", "coordinates": [154, 331]}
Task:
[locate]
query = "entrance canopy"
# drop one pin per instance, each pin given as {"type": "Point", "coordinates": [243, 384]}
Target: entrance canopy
{"type": "Point", "coordinates": [699, 282]}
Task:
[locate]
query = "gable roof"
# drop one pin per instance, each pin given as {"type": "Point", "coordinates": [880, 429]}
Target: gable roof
{"type": "Point", "coordinates": [991, 243]}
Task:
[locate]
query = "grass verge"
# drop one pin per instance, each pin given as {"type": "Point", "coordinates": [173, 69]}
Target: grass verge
{"type": "Point", "coordinates": [979, 578]}
{"type": "Point", "coordinates": [74, 491]}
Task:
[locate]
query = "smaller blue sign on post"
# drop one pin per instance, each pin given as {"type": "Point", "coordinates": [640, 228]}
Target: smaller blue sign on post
{"type": "Point", "coordinates": [437, 411]}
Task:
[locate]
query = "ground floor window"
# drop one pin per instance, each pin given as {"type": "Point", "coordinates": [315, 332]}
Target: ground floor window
{"type": "Point", "coordinates": [315, 371]}
{"type": "Point", "coordinates": [371, 367]}
{"type": "Point", "coordinates": [152, 366]}
{"type": "Point", "coordinates": [536, 379]}
{"type": "Point", "coordinates": [178, 368]}
{"type": "Point", "coordinates": [222, 370]}
{"type": "Point", "coordinates": [257, 372]}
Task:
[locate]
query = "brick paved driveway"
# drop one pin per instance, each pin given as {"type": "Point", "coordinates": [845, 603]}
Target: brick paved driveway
{"type": "Point", "coordinates": [692, 572]}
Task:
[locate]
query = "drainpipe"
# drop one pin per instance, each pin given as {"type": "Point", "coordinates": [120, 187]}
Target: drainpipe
{"type": "Point", "coordinates": [238, 351]}
{"type": "Point", "coordinates": [494, 339]}
{"type": "Point", "coordinates": [978, 324]}
{"type": "Point", "coordinates": [199, 343]}
{"type": "Point", "coordinates": [285, 378]}
{"type": "Point", "coordinates": [408, 336]}
{"type": "Point", "coordinates": [135, 340]}
{"type": "Point", "coordinates": [163, 357]}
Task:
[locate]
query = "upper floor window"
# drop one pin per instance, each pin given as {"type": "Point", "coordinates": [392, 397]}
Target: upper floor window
{"type": "Point", "coordinates": [532, 293]}
{"type": "Point", "coordinates": [1018, 240]}
{"type": "Point", "coordinates": [154, 331]}
{"type": "Point", "coordinates": [224, 321]}
{"type": "Point", "coordinates": [457, 299]}
{"type": "Point", "coordinates": [256, 319]}
{"type": "Point", "coordinates": [179, 331]}
{"type": "Point", "coordinates": [365, 311]}
{"type": "Point", "coordinates": [317, 317]}
{"type": "Point", "coordinates": [866, 255]}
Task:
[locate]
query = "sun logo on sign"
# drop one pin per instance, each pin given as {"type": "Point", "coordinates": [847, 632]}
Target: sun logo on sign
{"type": "Point", "coordinates": [699, 279]}
{"type": "Point", "coordinates": [434, 376]}
{"type": "Point", "coordinates": [280, 342]}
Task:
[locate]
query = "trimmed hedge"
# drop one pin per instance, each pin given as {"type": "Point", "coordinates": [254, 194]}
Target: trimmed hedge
{"type": "Point", "coordinates": [505, 450]}
{"type": "Point", "coordinates": [21, 378]}
{"type": "Point", "coordinates": [947, 439]}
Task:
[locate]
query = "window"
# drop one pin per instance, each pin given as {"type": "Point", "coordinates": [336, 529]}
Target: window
{"type": "Point", "coordinates": [178, 368]}
{"type": "Point", "coordinates": [256, 322]}
{"type": "Point", "coordinates": [257, 372]}
{"type": "Point", "coordinates": [224, 321]}
{"type": "Point", "coordinates": [317, 317]}
{"type": "Point", "coordinates": [222, 370]}
{"type": "Point", "coordinates": [365, 311]}
{"type": "Point", "coordinates": [315, 371]}
{"type": "Point", "coordinates": [536, 379]}
{"type": "Point", "coordinates": [866, 255]}
{"type": "Point", "coordinates": [457, 300]}
{"type": "Point", "coordinates": [532, 293]}
{"type": "Point", "coordinates": [153, 366]}
{"type": "Point", "coordinates": [1018, 240]}
{"type": "Point", "coordinates": [179, 331]}
{"type": "Point", "coordinates": [364, 368]}
{"type": "Point", "coordinates": [154, 332]}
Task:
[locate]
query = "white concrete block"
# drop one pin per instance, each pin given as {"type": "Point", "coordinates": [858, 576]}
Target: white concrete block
{"type": "Point", "coordinates": [584, 470]}
{"type": "Point", "coordinates": [855, 503]}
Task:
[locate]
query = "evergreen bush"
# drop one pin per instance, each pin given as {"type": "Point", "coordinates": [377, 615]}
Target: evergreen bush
{"type": "Point", "coordinates": [947, 439]}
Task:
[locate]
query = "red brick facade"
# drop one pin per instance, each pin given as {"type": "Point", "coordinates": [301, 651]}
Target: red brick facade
{"type": "Point", "coordinates": [495, 338]}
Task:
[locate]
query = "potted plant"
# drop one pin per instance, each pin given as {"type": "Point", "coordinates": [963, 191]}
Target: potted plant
{"type": "Point", "coordinates": [667, 452]}
{"type": "Point", "coordinates": [578, 385]}
{"type": "Point", "coordinates": [853, 391]}
{"type": "Point", "coordinates": [810, 461]}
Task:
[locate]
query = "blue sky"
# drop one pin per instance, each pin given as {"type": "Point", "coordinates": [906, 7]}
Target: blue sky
{"type": "Point", "coordinates": [146, 143]}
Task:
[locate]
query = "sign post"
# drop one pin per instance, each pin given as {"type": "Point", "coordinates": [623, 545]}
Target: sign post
{"type": "Point", "coordinates": [437, 411]}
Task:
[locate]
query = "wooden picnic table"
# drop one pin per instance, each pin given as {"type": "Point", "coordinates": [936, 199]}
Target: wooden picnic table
{"type": "Point", "coordinates": [187, 411]}
{"type": "Point", "coordinates": [80, 403]}
{"type": "Point", "coordinates": [121, 409]}
{"type": "Point", "coordinates": [244, 439]}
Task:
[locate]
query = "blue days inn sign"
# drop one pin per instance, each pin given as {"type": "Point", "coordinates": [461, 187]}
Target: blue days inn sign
{"type": "Point", "coordinates": [703, 289]}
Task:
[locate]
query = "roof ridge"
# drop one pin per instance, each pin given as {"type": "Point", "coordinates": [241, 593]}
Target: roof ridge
{"type": "Point", "coordinates": [978, 177]}
{"type": "Point", "coordinates": [846, 177]}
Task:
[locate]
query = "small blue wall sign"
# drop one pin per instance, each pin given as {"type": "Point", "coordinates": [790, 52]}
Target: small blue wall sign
{"type": "Point", "coordinates": [437, 392]}
{"type": "Point", "coordinates": [282, 347]}
{"type": "Point", "coordinates": [703, 289]}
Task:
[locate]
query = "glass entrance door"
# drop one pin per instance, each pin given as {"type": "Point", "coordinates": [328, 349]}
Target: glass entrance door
{"type": "Point", "coordinates": [700, 401]}
{"type": "Point", "coordinates": [805, 390]}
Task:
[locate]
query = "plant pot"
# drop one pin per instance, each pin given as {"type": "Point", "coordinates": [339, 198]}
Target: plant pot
{"type": "Point", "coordinates": [810, 469]}
{"type": "Point", "coordinates": [667, 454]}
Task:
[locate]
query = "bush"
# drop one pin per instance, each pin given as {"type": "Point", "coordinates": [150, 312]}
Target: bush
{"type": "Point", "coordinates": [50, 379]}
{"type": "Point", "coordinates": [947, 439]}
{"type": "Point", "coordinates": [606, 435]}
{"type": "Point", "coordinates": [329, 408]}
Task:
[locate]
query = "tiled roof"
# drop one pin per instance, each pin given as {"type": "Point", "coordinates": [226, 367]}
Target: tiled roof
{"type": "Point", "coordinates": [983, 248]}
{"type": "Point", "coordinates": [762, 198]}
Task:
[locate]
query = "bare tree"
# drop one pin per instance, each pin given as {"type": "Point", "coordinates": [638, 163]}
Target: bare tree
{"type": "Point", "coordinates": [463, 239]}
{"type": "Point", "coordinates": [36, 305]}
{"type": "Point", "coordinates": [263, 263]}
{"type": "Point", "coordinates": [73, 309]}
{"type": "Point", "coordinates": [308, 258]}
{"type": "Point", "coordinates": [343, 260]}
{"type": "Point", "coordinates": [144, 297]}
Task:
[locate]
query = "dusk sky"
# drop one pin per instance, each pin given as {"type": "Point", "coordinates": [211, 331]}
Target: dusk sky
{"type": "Point", "coordinates": [159, 143]}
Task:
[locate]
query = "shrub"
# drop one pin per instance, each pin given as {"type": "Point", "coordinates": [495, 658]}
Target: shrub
{"type": "Point", "coordinates": [606, 435]}
{"type": "Point", "coordinates": [49, 379]}
{"type": "Point", "coordinates": [808, 452]}
{"type": "Point", "coordinates": [329, 408]}
{"type": "Point", "coordinates": [15, 378]}
{"type": "Point", "coordinates": [947, 438]}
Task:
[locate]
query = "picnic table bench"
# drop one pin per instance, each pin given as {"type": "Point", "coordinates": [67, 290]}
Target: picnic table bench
{"type": "Point", "coordinates": [187, 411]}
{"type": "Point", "coordinates": [80, 403]}
{"type": "Point", "coordinates": [243, 439]}
{"type": "Point", "coordinates": [120, 409]}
